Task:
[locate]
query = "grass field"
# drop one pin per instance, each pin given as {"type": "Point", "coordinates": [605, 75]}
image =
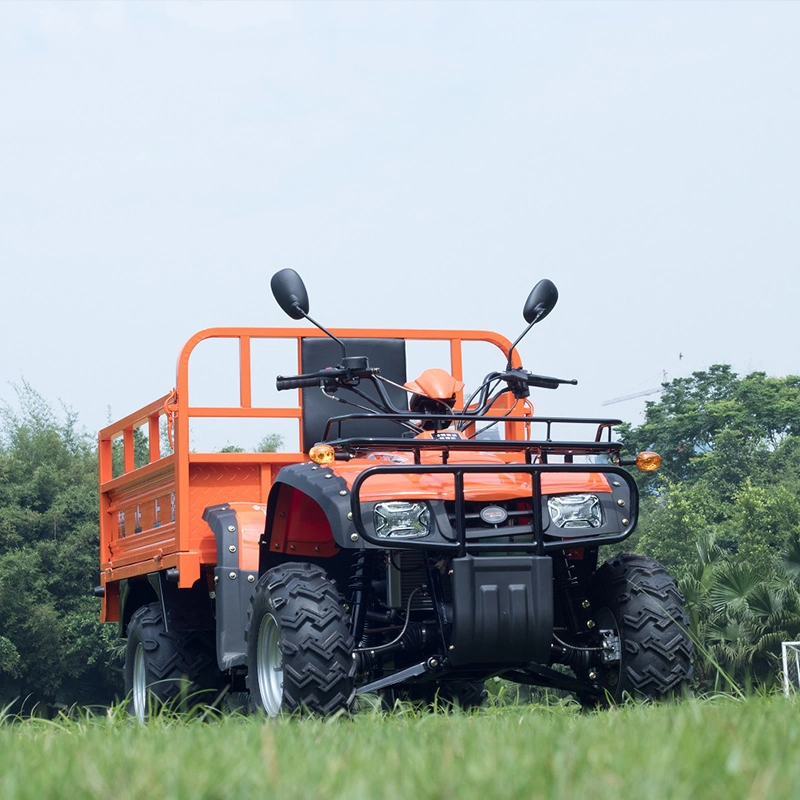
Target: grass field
{"type": "Point", "coordinates": [714, 748]}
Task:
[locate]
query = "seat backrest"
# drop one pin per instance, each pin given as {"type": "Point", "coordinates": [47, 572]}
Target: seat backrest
{"type": "Point", "coordinates": [318, 353]}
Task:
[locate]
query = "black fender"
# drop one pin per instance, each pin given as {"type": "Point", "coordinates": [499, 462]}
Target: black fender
{"type": "Point", "coordinates": [135, 593]}
{"type": "Point", "coordinates": [323, 487]}
{"type": "Point", "coordinates": [187, 609]}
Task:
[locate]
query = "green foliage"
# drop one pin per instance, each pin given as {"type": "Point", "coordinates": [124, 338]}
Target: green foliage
{"type": "Point", "coordinates": [52, 648]}
{"type": "Point", "coordinates": [761, 521]}
{"type": "Point", "coordinates": [141, 453]}
{"type": "Point", "coordinates": [9, 658]}
{"type": "Point", "coordinates": [716, 413]}
{"type": "Point", "coordinates": [739, 615]}
{"type": "Point", "coordinates": [271, 443]}
{"type": "Point", "coordinates": [670, 520]}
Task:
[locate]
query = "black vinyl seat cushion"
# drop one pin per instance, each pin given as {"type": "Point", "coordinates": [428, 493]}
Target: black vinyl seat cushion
{"type": "Point", "coordinates": [387, 354]}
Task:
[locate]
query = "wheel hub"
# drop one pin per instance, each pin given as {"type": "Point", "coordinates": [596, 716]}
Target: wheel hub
{"type": "Point", "coordinates": [139, 690]}
{"type": "Point", "coordinates": [270, 665]}
{"type": "Point", "coordinates": [612, 646]}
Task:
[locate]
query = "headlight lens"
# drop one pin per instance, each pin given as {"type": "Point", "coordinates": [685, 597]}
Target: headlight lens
{"type": "Point", "coordinates": [398, 519]}
{"type": "Point", "coordinates": [576, 511]}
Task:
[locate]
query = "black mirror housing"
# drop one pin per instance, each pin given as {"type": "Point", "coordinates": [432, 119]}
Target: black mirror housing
{"type": "Point", "coordinates": [541, 301]}
{"type": "Point", "coordinates": [290, 292]}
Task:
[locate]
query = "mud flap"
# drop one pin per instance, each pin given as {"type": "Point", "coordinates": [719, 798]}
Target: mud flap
{"type": "Point", "coordinates": [233, 587]}
{"type": "Point", "coordinates": [502, 609]}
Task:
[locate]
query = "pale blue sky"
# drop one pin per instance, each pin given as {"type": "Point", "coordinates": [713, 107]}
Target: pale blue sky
{"type": "Point", "coordinates": [420, 164]}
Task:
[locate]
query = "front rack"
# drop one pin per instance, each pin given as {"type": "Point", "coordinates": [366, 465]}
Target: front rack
{"type": "Point", "coordinates": [530, 448]}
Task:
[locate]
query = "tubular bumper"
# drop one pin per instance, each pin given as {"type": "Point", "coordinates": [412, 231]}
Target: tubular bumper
{"type": "Point", "coordinates": [542, 538]}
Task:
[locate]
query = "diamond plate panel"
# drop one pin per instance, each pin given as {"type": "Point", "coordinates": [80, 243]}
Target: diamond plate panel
{"type": "Point", "coordinates": [213, 484]}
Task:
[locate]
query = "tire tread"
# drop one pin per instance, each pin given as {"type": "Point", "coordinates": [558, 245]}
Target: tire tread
{"type": "Point", "coordinates": [180, 663]}
{"type": "Point", "coordinates": [656, 646]}
{"type": "Point", "coordinates": [316, 643]}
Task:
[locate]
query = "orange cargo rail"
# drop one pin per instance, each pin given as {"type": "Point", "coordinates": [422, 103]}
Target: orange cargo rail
{"type": "Point", "coordinates": [151, 513]}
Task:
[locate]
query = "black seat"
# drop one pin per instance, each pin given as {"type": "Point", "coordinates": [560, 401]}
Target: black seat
{"type": "Point", "coordinates": [387, 354]}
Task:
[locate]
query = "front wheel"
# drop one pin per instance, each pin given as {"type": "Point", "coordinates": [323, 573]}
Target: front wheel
{"type": "Point", "coordinates": [299, 646]}
{"type": "Point", "coordinates": [642, 625]}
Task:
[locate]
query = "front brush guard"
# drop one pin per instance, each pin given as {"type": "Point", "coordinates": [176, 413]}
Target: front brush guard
{"type": "Point", "coordinates": [459, 544]}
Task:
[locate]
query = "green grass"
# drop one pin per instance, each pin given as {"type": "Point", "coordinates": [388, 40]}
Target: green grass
{"type": "Point", "coordinates": [715, 748]}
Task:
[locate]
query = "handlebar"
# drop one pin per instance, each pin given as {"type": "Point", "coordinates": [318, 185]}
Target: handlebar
{"type": "Point", "coordinates": [349, 375]}
{"type": "Point", "coordinates": [529, 379]}
{"type": "Point", "coordinates": [297, 381]}
{"type": "Point", "coordinates": [340, 375]}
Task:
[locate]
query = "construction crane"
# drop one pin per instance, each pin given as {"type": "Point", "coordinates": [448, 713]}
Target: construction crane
{"type": "Point", "coordinates": [633, 396]}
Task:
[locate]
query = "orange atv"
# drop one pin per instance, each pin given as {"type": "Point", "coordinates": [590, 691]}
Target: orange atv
{"type": "Point", "coordinates": [427, 542]}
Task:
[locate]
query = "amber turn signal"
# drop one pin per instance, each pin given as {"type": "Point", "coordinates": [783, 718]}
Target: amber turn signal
{"type": "Point", "coordinates": [322, 454]}
{"type": "Point", "coordinates": [648, 461]}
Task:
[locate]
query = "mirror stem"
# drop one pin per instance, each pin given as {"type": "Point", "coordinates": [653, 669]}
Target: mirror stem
{"type": "Point", "coordinates": [520, 338]}
{"type": "Point", "coordinates": [324, 330]}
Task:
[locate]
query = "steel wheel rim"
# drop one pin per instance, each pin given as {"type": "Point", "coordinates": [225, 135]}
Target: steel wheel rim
{"type": "Point", "coordinates": [270, 665]}
{"type": "Point", "coordinates": [139, 691]}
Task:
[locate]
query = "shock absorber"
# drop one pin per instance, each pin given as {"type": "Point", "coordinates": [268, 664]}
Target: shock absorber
{"type": "Point", "coordinates": [358, 590]}
{"type": "Point", "coordinates": [568, 587]}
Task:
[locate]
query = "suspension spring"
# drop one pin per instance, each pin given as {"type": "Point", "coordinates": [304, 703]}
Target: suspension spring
{"type": "Point", "coordinates": [358, 590]}
{"type": "Point", "coordinates": [568, 587]}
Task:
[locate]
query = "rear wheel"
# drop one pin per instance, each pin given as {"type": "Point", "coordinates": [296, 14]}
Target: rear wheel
{"type": "Point", "coordinates": [299, 646]}
{"type": "Point", "coordinates": [642, 624]}
{"type": "Point", "coordinates": [176, 668]}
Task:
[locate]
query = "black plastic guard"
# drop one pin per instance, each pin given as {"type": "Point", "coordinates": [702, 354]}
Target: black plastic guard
{"type": "Point", "coordinates": [502, 609]}
{"type": "Point", "coordinates": [233, 587]}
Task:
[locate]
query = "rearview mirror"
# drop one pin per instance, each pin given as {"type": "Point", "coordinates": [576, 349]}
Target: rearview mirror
{"type": "Point", "coordinates": [541, 301]}
{"type": "Point", "coordinates": [290, 292]}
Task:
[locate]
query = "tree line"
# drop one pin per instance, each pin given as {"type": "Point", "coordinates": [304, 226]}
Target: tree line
{"type": "Point", "coordinates": [722, 513]}
{"type": "Point", "coordinates": [52, 646]}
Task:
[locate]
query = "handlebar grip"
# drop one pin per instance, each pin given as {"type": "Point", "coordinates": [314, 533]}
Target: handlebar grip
{"type": "Point", "coordinates": [541, 382]}
{"type": "Point", "coordinates": [324, 376]}
{"type": "Point", "coordinates": [297, 382]}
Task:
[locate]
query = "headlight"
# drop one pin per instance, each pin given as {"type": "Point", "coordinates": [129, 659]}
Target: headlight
{"type": "Point", "coordinates": [397, 519]}
{"type": "Point", "coordinates": [576, 511]}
